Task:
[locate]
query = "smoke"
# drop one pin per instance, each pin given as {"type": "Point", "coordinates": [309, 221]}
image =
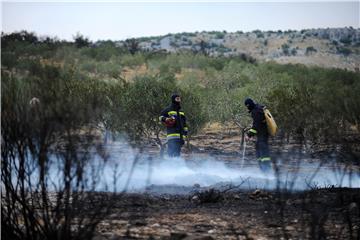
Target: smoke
{"type": "Point", "coordinates": [137, 171]}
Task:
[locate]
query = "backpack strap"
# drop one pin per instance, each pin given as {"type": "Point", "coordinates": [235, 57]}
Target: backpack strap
{"type": "Point", "coordinates": [263, 109]}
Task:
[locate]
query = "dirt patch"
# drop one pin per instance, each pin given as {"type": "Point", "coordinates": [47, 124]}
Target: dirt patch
{"type": "Point", "coordinates": [317, 214]}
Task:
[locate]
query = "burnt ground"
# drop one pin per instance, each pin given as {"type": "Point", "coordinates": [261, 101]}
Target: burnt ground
{"type": "Point", "coordinates": [330, 212]}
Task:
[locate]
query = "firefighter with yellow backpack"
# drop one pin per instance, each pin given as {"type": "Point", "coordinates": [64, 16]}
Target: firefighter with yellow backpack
{"type": "Point", "coordinates": [263, 126]}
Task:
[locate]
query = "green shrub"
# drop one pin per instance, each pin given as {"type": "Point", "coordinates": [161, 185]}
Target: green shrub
{"type": "Point", "coordinates": [344, 51]}
{"type": "Point", "coordinates": [346, 40]}
{"type": "Point", "coordinates": [310, 50]}
{"type": "Point", "coordinates": [285, 48]}
{"type": "Point", "coordinates": [219, 35]}
{"type": "Point", "coordinates": [132, 60]}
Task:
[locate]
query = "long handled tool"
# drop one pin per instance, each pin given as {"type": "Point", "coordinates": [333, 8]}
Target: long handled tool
{"type": "Point", "coordinates": [243, 154]}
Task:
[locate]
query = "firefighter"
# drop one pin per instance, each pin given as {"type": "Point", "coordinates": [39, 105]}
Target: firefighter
{"type": "Point", "coordinates": [259, 129]}
{"type": "Point", "coordinates": [175, 121]}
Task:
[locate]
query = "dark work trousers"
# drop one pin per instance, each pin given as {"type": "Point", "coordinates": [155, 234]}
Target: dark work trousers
{"type": "Point", "coordinates": [174, 147]}
{"type": "Point", "coordinates": [262, 153]}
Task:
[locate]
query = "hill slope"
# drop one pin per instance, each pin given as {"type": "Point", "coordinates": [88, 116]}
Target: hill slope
{"type": "Point", "coordinates": [331, 48]}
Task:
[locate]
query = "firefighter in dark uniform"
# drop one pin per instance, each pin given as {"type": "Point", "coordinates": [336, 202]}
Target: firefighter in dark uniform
{"type": "Point", "coordinates": [259, 129]}
{"type": "Point", "coordinates": [175, 121]}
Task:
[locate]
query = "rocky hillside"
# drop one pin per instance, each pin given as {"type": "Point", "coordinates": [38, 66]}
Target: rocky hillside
{"type": "Point", "coordinates": [335, 47]}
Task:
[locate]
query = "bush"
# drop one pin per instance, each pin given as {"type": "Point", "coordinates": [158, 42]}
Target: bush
{"type": "Point", "coordinates": [133, 60]}
{"type": "Point", "coordinates": [219, 35]}
{"type": "Point", "coordinates": [110, 69]}
{"type": "Point", "coordinates": [307, 91]}
{"type": "Point", "coordinates": [47, 124]}
{"type": "Point", "coordinates": [103, 52]}
{"type": "Point", "coordinates": [260, 35]}
{"type": "Point", "coordinates": [310, 50]}
{"type": "Point", "coordinates": [141, 106]}
{"type": "Point", "coordinates": [81, 41]}
{"type": "Point", "coordinates": [285, 49]}
{"type": "Point", "coordinates": [346, 40]}
{"type": "Point", "coordinates": [344, 51]}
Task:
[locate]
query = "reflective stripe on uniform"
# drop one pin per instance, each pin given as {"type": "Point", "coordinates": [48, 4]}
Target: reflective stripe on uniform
{"type": "Point", "coordinates": [264, 159]}
{"type": "Point", "coordinates": [253, 131]}
{"type": "Point", "coordinates": [175, 136]}
{"type": "Point", "coordinates": [173, 113]}
{"type": "Point", "coordinates": [185, 128]}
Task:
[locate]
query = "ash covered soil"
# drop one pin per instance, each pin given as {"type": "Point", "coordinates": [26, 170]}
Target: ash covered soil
{"type": "Point", "coordinates": [331, 213]}
{"type": "Point", "coordinates": [230, 211]}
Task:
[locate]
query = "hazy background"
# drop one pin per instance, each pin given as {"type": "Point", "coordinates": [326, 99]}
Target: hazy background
{"type": "Point", "coordinates": [121, 20]}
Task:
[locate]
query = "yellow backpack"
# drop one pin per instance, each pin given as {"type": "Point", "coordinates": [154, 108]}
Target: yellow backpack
{"type": "Point", "coordinates": [270, 122]}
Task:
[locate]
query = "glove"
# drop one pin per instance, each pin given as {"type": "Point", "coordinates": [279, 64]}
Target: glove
{"type": "Point", "coordinates": [172, 118]}
{"type": "Point", "coordinates": [251, 133]}
{"type": "Point", "coordinates": [170, 122]}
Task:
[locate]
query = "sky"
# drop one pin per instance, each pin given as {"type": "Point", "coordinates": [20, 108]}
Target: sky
{"type": "Point", "coordinates": [122, 20]}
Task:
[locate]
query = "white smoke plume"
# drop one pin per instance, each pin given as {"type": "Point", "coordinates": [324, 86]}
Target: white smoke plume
{"type": "Point", "coordinates": [140, 171]}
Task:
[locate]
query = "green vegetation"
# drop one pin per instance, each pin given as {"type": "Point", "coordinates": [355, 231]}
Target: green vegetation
{"type": "Point", "coordinates": [310, 50]}
{"type": "Point", "coordinates": [219, 35]}
{"type": "Point", "coordinates": [346, 40]}
{"type": "Point", "coordinates": [285, 48]}
{"type": "Point", "coordinates": [81, 41]}
{"type": "Point", "coordinates": [259, 34]}
{"type": "Point", "coordinates": [105, 79]}
{"type": "Point", "coordinates": [58, 97]}
{"type": "Point", "coordinates": [344, 50]}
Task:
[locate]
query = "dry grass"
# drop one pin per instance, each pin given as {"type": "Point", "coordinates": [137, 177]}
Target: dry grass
{"type": "Point", "coordinates": [130, 73]}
